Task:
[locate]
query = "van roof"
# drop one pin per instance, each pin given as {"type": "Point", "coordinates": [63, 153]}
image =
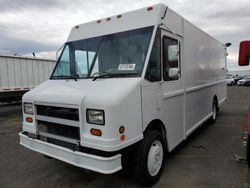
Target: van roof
{"type": "Point", "coordinates": [144, 17]}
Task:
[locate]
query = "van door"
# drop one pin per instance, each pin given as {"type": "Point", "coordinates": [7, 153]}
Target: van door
{"type": "Point", "coordinates": [151, 85]}
{"type": "Point", "coordinates": [173, 96]}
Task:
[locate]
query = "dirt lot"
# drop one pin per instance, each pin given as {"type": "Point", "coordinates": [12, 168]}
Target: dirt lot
{"type": "Point", "coordinates": [204, 160]}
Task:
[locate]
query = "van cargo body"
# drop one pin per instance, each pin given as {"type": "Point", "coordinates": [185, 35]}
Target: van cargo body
{"type": "Point", "coordinates": [125, 91]}
{"type": "Point", "coordinates": [20, 74]}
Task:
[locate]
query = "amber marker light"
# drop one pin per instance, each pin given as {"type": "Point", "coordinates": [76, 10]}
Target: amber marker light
{"type": "Point", "coordinates": [119, 16]}
{"type": "Point", "coordinates": [121, 129]}
{"type": "Point", "coordinates": [150, 8]}
{"type": "Point", "coordinates": [122, 137]}
{"type": "Point", "coordinates": [29, 120]}
{"type": "Point", "coordinates": [96, 132]}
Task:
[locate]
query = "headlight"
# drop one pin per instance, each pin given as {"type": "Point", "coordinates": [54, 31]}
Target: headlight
{"type": "Point", "coordinates": [28, 108]}
{"type": "Point", "coordinates": [95, 116]}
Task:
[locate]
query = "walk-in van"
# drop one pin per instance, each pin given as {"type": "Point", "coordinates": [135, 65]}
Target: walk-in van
{"type": "Point", "coordinates": [126, 90]}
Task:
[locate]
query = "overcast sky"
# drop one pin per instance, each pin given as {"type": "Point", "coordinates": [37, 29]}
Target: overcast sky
{"type": "Point", "coordinates": [42, 26]}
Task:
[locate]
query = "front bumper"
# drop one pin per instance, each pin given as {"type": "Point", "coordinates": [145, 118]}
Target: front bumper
{"type": "Point", "coordinates": [105, 165]}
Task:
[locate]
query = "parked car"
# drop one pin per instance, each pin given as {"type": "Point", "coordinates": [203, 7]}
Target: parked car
{"type": "Point", "coordinates": [230, 81]}
{"type": "Point", "coordinates": [247, 81]}
{"type": "Point", "coordinates": [244, 81]}
{"type": "Point", "coordinates": [237, 78]}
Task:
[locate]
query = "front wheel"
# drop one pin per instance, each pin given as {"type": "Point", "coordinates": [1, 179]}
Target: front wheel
{"type": "Point", "coordinates": [150, 156]}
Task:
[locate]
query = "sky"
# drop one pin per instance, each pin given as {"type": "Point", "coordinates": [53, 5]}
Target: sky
{"type": "Point", "coordinates": [42, 26]}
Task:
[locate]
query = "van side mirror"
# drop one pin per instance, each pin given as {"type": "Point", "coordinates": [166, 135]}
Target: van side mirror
{"type": "Point", "coordinates": [244, 53]}
{"type": "Point", "coordinates": [173, 53]}
{"type": "Point", "coordinates": [228, 44]}
{"type": "Point", "coordinates": [173, 73]}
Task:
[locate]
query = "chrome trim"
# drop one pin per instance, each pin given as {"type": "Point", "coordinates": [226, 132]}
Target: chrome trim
{"type": "Point", "coordinates": [56, 105]}
{"type": "Point", "coordinates": [58, 120]}
{"type": "Point", "coordinates": [173, 94]}
{"type": "Point", "coordinates": [191, 89]}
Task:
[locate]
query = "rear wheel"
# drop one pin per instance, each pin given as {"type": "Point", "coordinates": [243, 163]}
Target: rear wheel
{"type": "Point", "coordinates": [214, 112]}
{"type": "Point", "coordinates": [150, 156]}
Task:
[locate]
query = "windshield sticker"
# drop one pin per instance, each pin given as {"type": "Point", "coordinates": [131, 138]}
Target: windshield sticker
{"type": "Point", "coordinates": [126, 67]}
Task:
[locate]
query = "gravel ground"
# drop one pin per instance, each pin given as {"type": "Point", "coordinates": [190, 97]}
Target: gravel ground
{"type": "Point", "coordinates": [205, 159]}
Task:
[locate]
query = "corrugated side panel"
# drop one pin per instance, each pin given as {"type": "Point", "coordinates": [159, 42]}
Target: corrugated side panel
{"type": "Point", "coordinates": [23, 74]}
{"type": "Point", "coordinates": [10, 72]}
{"type": "Point", "coordinates": [18, 73]}
{"type": "Point", "coordinates": [3, 73]}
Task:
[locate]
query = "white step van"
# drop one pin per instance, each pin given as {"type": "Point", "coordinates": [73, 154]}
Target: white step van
{"type": "Point", "coordinates": [126, 90]}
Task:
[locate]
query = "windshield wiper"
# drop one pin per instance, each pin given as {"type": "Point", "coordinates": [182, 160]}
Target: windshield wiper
{"type": "Point", "coordinates": [64, 77]}
{"type": "Point", "coordinates": [102, 75]}
{"type": "Point", "coordinates": [111, 75]}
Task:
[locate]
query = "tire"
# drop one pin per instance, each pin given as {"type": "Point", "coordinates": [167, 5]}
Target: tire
{"type": "Point", "coordinates": [214, 112]}
{"type": "Point", "coordinates": [150, 157]}
{"type": "Point", "coordinates": [248, 151]}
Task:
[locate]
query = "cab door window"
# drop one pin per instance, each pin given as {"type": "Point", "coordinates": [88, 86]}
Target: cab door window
{"type": "Point", "coordinates": [153, 73]}
{"type": "Point", "coordinates": [171, 54]}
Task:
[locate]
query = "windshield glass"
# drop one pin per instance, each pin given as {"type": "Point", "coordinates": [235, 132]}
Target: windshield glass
{"type": "Point", "coordinates": [76, 58]}
{"type": "Point", "coordinates": [120, 54]}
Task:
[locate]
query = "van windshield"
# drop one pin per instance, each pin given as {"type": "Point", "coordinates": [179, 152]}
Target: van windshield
{"type": "Point", "coordinates": [115, 55]}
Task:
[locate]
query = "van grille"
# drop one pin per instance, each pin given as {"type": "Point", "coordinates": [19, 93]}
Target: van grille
{"type": "Point", "coordinates": [58, 112]}
{"type": "Point", "coordinates": [59, 129]}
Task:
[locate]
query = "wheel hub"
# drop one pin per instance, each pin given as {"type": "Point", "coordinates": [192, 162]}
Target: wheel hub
{"type": "Point", "coordinates": [155, 158]}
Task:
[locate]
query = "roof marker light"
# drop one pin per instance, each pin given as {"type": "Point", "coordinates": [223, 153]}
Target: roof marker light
{"type": "Point", "coordinates": [98, 21]}
{"type": "Point", "coordinates": [119, 16]}
{"type": "Point", "coordinates": [108, 19]}
{"type": "Point", "coordinates": [77, 26]}
{"type": "Point", "coordinates": [150, 8]}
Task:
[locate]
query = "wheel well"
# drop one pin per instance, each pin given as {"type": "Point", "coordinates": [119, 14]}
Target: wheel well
{"type": "Point", "coordinates": [158, 126]}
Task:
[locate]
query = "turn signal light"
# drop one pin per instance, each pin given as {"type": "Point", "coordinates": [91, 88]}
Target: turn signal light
{"type": "Point", "coordinates": [122, 137]}
{"type": "Point", "coordinates": [29, 120]}
{"type": "Point", "coordinates": [150, 8]}
{"type": "Point", "coordinates": [96, 132]}
{"type": "Point", "coordinates": [121, 129]}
